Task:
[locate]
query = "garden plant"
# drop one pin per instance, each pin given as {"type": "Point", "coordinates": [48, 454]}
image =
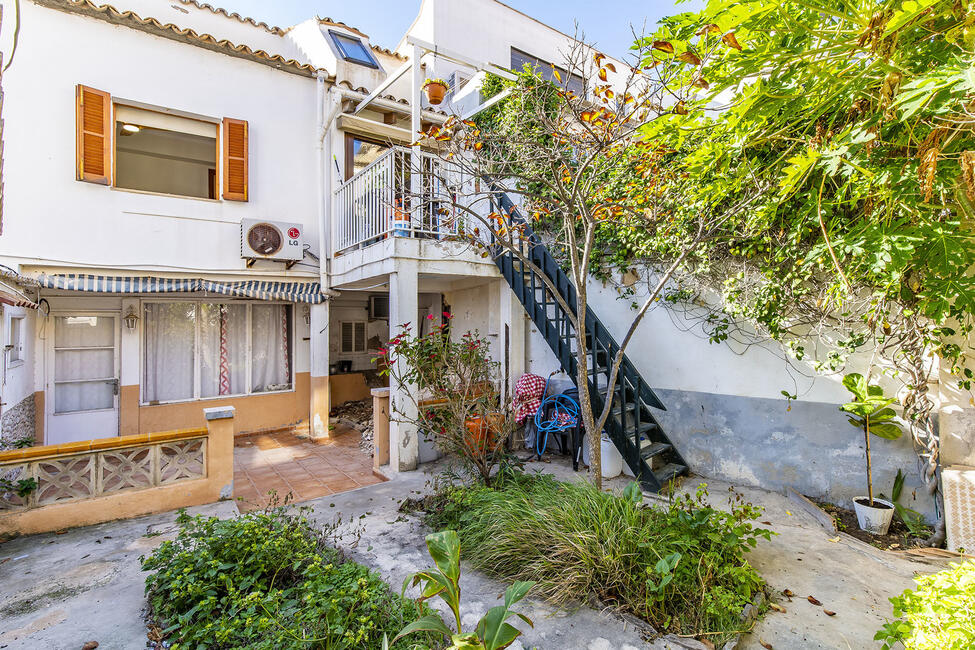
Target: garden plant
{"type": "Point", "coordinates": [268, 580]}
{"type": "Point", "coordinates": [681, 568]}
{"type": "Point", "coordinates": [938, 615]}
{"type": "Point", "coordinates": [492, 631]}
{"type": "Point", "coordinates": [455, 400]}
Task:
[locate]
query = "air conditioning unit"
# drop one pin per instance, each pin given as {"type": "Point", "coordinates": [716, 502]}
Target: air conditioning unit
{"type": "Point", "coordinates": [271, 240]}
{"type": "Point", "coordinates": [379, 306]}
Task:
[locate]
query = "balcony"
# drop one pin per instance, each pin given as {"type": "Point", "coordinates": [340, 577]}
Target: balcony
{"type": "Point", "coordinates": [400, 194]}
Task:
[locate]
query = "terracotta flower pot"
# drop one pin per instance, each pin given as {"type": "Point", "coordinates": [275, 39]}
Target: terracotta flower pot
{"type": "Point", "coordinates": [435, 92]}
{"type": "Point", "coordinates": [481, 433]}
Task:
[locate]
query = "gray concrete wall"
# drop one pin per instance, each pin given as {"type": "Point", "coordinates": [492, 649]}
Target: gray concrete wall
{"type": "Point", "coordinates": [17, 422]}
{"type": "Point", "coordinates": [812, 448]}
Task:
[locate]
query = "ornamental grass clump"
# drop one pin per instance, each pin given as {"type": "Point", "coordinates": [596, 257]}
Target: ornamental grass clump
{"type": "Point", "coordinates": [681, 568]}
{"type": "Point", "coordinates": [268, 580]}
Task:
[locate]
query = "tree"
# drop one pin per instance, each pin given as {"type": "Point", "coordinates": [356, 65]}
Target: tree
{"type": "Point", "coordinates": [572, 149]}
{"type": "Point", "coordinates": [859, 116]}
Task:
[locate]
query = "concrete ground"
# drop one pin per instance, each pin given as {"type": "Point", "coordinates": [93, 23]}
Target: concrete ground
{"type": "Point", "coordinates": [60, 591]}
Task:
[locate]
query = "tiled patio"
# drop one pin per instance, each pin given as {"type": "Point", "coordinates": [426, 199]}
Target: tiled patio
{"type": "Point", "coordinates": [306, 468]}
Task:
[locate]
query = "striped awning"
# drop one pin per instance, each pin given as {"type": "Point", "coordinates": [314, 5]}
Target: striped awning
{"type": "Point", "coordinates": [309, 292]}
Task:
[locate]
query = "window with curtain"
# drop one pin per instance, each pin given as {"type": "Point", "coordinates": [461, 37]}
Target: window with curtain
{"type": "Point", "coordinates": [201, 350]}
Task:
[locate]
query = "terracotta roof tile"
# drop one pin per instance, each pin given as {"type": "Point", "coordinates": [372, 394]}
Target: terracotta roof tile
{"type": "Point", "coordinates": [234, 15]}
{"type": "Point", "coordinates": [150, 25]}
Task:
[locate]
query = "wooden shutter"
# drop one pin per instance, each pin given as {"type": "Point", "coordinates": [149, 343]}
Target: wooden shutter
{"type": "Point", "coordinates": [234, 159]}
{"type": "Point", "coordinates": [93, 117]}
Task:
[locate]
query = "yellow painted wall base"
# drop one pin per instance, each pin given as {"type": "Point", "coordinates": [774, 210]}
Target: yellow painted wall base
{"type": "Point", "coordinates": [254, 412]}
{"type": "Point", "coordinates": [347, 387]}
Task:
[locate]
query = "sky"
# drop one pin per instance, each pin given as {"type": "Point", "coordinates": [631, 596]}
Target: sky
{"type": "Point", "coordinates": [606, 23]}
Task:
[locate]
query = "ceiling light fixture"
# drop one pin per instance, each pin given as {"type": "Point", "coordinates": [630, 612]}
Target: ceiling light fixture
{"type": "Point", "coordinates": [131, 128]}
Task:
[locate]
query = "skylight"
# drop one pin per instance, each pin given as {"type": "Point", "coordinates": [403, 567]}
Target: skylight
{"type": "Point", "coordinates": [353, 49]}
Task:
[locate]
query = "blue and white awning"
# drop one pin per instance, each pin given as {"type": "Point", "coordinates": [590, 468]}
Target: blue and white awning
{"type": "Point", "coordinates": [261, 290]}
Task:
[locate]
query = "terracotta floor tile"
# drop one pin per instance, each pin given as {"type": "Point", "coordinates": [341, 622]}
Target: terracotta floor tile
{"type": "Point", "coordinates": [306, 468]}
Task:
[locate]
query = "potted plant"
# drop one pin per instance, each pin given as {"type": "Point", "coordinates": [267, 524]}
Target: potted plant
{"type": "Point", "coordinates": [871, 413]}
{"type": "Point", "coordinates": [436, 89]}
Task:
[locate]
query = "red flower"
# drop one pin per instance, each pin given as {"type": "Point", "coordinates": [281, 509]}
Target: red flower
{"type": "Point", "coordinates": [429, 316]}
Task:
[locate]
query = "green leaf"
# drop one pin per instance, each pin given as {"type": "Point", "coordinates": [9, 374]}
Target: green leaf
{"type": "Point", "coordinates": [856, 384]}
{"type": "Point", "coordinates": [888, 431]}
{"type": "Point", "coordinates": [429, 623]}
{"type": "Point", "coordinates": [517, 591]}
{"type": "Point", "coordinates": [444, 548]}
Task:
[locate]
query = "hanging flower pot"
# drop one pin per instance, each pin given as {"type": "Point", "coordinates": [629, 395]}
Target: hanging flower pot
{"type": "Point", "coordinates": [436, 89]}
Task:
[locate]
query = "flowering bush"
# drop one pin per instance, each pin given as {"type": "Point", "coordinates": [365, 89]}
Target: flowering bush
{"type": "Point", "coordinates": [268, 580]}
{"type": "Point", "coordinates": [455, 401]}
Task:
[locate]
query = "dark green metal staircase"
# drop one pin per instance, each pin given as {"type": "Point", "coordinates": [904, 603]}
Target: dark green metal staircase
{"type": "Point", "coordinates": [631, 425]}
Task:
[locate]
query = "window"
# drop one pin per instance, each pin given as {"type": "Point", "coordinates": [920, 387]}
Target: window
{"type": "Point", "coordinates": [197, 350]}
{"type": "Point", "coordinates": [359, 152]}
{"type": "Point", "coordinates": [542, 68]}
{"type": "Point", "coordinates": [353, 337]}
{"type": "Point", "coordinates": [353, 49]}
{"type": "Point", "coordinates": [16, 340]}
{"type": "Point", "coordinates": [157, 152]}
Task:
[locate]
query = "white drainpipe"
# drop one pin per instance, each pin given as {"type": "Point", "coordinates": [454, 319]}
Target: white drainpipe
{"type": "Point", "coordinates": [323, 138]}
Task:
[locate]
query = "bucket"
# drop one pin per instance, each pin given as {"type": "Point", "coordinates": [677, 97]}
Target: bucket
{"type": "Point", "coordinates": [612, 459]}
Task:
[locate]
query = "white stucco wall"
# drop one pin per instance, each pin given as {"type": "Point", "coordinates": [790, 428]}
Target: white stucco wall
{"type": "Point", "coordinates": [51, 218]}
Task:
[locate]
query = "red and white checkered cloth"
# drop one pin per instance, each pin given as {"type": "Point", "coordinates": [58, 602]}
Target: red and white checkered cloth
{"type": "Point", "coordinates": [529, 392]}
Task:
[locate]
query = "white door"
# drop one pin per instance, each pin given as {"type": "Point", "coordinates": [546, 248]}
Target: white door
{"type": "Point", "coordinates": [83, 386]}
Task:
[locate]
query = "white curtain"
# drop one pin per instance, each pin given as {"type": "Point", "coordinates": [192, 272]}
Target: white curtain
{"type": "Point", "coordinates": [270, 331]}
{"type": "Point", "coordinates": [170, 335]}
{"type": "Point", "coordinates": [223, 339]}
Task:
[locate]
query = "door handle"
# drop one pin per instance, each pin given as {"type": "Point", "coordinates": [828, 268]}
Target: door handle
{"type": "Point", "coordinates": [115, 386]}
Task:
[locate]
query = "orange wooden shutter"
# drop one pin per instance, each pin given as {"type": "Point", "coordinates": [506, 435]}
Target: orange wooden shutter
{"type": "Point", "coordinates": [94, 135]}
{"type": "Point", "coordinates": [234, 159]}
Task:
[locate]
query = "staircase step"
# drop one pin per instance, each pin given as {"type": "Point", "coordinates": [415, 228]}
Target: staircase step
{"type": "Point", "coordinates": [669, 471]}
{"type": "Point", "coordinates": [649, 448]}
{"type": "Point", "coordinates": [646, 427]}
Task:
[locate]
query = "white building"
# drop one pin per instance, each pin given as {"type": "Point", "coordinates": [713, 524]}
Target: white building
{"type": "Point", "coordinates": [141, 142]}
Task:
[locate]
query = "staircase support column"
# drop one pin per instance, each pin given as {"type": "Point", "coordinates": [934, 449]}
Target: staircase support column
{"type": "Point", "coordinates": [512, 329]}
{"type": "Point", "coordinates": [404, 449]}
{"type": "Point", "coordinates": [319, 398]}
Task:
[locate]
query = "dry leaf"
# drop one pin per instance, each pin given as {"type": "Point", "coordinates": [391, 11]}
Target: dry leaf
{"type": "Point", "coordinates": [777, 607]}
{"type": "Point", "coordinates": [767, 646]}
{"type": "Point", "coordinates": [730, 40]}
{"type": "Point", "coordinates": [663, 46]}
{"type": "Point", "coordinates": [709, 29]}
{"type": "Point", "coordinates": [813, 600]}
{"type": "Point", "coordinates": [690, 57]}
{"type": "Point", "coordinates": [829, 613]}
{"type": "Point", "coordinates": [834, 539]}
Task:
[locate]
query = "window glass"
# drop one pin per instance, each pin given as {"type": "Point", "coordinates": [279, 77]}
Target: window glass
{"type": "Point", "coordinates": [156, 152]}
{"type": "Point", "coordinates": [220, 343]}
{"type": "Point", "coordinates": [271, 352]}
{"type": "Point", "coordinates": [543, 69]}
{"type": "Point", "coordinates": [170, 354]}
{"type": "Point", "coordinates": [223, 350]}
{"type": "Point", "coordinates": [363, 152]}
{"type": "Point", "coordinates": [16, 339]}
{"type": "Point", "coordinates": [353, 337]}
{"type": "Point", "coordinates": [353, 49]}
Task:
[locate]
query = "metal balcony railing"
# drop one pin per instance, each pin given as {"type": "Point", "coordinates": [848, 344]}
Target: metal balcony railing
{"type": "Point", "coordinates": [403, 193]}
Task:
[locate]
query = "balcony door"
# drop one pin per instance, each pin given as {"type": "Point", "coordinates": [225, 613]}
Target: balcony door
{"type": "Point", "coordinates": [359, 152]}
{"type": "Point", "coordinates": [82, 396]}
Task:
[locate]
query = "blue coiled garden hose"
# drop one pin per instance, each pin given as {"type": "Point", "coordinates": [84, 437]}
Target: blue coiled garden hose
{"type": "Point", "coordinates": [565, 411]}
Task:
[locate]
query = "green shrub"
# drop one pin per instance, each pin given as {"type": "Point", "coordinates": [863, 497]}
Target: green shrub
{"type": "Point", "coordinates": [939, 615]}
{"type": "Point", "coordinates": [683, 568]}
{"type": "Point", "coordinates": [268, 580]}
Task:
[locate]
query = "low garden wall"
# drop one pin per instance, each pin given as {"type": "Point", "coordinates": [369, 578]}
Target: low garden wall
{"type": "Point", "coordinates": [81, 483]}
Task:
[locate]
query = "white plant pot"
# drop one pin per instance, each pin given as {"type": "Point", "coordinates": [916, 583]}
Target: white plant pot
{"type": "Point", "coordinates": [873, 520]}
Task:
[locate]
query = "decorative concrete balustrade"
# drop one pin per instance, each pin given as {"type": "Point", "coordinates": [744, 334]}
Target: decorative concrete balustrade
{"type": "Point", "coordinates": [92, 481]}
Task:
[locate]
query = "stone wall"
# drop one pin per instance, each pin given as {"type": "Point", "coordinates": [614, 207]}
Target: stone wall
{"type": "Point", "coordinates": [17, 422]}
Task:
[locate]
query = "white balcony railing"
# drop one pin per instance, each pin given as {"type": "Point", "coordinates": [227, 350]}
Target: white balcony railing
{"type": "Point", "coordinates": [402, 193]}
